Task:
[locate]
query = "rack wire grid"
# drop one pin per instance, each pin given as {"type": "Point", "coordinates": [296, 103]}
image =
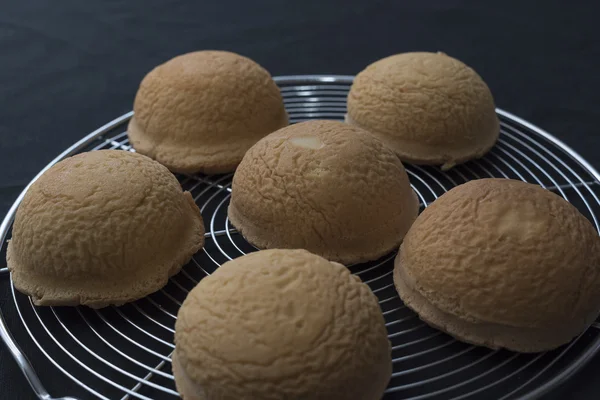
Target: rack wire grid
{"type": "Point", "coordinates": [125, 352]}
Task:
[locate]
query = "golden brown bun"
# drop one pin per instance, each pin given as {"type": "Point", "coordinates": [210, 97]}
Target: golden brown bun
{"type": "Point", "coordinates": [502, 263]}
{"type": "Point", "coordinates": [99, 228]}
{"type": "Point", "coordinates": [281, 324]}
{"type": "Point", "coordinates": [428, 107]}
{"type": "Point", "coordinates": [201, 111]}
{"type": "Point", "coordinates": [324, 186]}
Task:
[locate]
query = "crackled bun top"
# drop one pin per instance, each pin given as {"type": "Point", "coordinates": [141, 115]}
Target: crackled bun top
{"type": "Point", "coordinates": [325, 186]}
{"type": "Point", "coordinates": [506, 253]}
{"type": "Point", "coordinates": [100, 228]}
{"type": "Point", "coordinates": [429, 107]}
{"type": "Point", "coordinates": [281, 324]}
{"type": "Point", "coordinates": [201, 111]}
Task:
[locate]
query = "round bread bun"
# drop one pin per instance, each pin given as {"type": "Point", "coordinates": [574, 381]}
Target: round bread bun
{"type": "Point", "coordinates": [281, 324]}
{"type": "Point", "coordinates": [502, 264]}
{"type": "Point", "coordinates": [101, 228]}
{"type": "Point", "coordinates": [201, 111]}
{"type": "Point", "coordinates": [428, 107]}
{"type": "Point", "coordinates": [324, 186]}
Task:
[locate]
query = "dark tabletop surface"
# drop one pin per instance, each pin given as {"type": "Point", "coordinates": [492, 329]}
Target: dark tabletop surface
{"type": "Point", "coordinates": [67, 67]}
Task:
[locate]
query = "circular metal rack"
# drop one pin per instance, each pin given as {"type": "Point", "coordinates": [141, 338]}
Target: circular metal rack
{"type": "Point", "coordinates": [125, 352]}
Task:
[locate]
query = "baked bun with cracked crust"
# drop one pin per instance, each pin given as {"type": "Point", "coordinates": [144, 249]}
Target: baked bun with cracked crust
{"type": "Point", "coordinates": [281, 324]}
{"type": "Point", "coordinates": [503, 264]}
{"type": "Point", "coordinates": [100, 228]}
{"type": "Point", "coordinates": [201, 111]}
{"type": "Point", "coordinates": [324, 186]}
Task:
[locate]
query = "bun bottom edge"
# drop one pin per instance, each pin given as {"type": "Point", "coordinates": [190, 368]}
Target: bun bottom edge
{"type": "Point", "coordinates": [250, 234]}
{"type": "Point", "coordinates": [491, 335]}
{"type": "Point", "coordinates": [444, 161]}
{"type": "Point", "coordinates": [195, 164]}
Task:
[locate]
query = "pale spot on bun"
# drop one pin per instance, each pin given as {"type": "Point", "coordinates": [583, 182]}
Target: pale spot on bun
{"type": "Point", "coordinates": [307, 142]}
{"type": "Point", "coordinates": [519, 223]}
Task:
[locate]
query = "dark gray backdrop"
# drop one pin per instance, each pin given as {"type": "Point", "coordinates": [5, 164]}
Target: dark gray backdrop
{"type": "Point", "coordinates": [67, 67]}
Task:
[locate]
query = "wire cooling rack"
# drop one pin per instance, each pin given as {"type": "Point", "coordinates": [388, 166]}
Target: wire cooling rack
{"type": "Point", "coordinates": [125, 352]}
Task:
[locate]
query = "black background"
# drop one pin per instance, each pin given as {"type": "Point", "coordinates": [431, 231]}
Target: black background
{"type": "Point", "coordinates": [67, 67]}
